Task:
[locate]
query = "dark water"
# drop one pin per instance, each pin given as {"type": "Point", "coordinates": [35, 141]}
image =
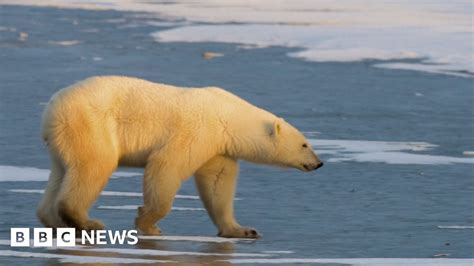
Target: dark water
{"type": "Point", "coordinates": [344, 210]}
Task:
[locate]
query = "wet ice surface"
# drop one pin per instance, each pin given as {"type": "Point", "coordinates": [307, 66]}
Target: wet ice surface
{"type": "Point", "coordinates": [395, 182]}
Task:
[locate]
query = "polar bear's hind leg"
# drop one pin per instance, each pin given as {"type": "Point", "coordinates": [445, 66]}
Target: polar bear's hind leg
{"type": "Point", "coordinates": [47, 213]}
{"type": "Point", "coordinates": [79, 190]}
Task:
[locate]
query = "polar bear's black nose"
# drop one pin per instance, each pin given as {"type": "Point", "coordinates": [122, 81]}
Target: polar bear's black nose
{"type": "Point", "coordinates": [319, 165]}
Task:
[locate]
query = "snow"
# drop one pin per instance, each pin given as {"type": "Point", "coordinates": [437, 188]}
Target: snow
{"type": "Point", "coordinates": [135, 207]}
{"type": "Point", "coordinates": [10, 173]}
{"type": "Point", "coordinates": [438, 33]}
{"type": "Point", "coordinates": [78, 259]}
{"type": "Point", "coordinates": [446, 52]}
{"type": "Point", "coordinates": [157, 252]}
{"type": "Point", "coordinates": [106, 193]}
{"type": "Point", "coordinates": [389, 152]}
{"type": "Point", "coordinates": [460, 227]}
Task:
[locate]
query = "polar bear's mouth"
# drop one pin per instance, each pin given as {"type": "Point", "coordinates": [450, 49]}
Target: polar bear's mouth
{"type": "Point", "coordinates": [307, 167]}
{"type": "Point", "coordinates": [310, 167]}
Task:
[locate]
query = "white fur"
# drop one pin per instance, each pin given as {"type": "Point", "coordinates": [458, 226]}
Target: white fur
{"type": "Point", "coordinates": [102, 122]}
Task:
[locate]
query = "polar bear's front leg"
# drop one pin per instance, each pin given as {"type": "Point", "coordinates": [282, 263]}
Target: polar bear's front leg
{"type": "Point", "coordinates": [162, 181]}
{"type": "Point", "coordinates": [216, 182]}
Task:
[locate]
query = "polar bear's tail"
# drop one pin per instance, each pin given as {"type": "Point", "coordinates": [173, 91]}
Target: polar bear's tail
{"type": "Point", "coordinates": [48, 118]}
{"type": "Point", "coordinates": [46, 123]}
{"type": "Point", "coordinates": [44, 126]}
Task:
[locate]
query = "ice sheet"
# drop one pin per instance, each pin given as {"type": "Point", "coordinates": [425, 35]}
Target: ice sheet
{"type": "Point", "coordinates": [390, 152]}
{"type": "Point", "coordinates": [22, 174]}
{"type": "Point", "coordinates": [135, 207]}
{"type": "Point", "coordinates": [10, 173]}
{"type": "Point", "coordinates": [459, 227]}
{"type": "Point", "coordinates": [78, 259]}
{"type": "Point", "coordinates": [205, 239]}
{"type": "Point", "coordinates": [105, 193]}
{"type": "Point", "coordinates": [359, 262]}
{"type": "Point", "coordinates": [157, 252]}
{"type": "Point", "coordinates": [436, 32]}
{"type": "Point", "coordinates": [438, 51]}
{"type": "Point", "coordinates": [65, 43]}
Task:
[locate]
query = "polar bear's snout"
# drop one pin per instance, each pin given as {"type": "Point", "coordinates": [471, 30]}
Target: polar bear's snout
{"type": "Point", "coordinates": [313, 163]}
{"type": "Point", "coordinates": [312, 167]}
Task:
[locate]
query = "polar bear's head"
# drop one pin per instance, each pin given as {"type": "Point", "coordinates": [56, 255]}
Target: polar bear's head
{"type": "Point", "coordinates": [281, 144]}
{"type": "Point", "coordinates": [288, 147]}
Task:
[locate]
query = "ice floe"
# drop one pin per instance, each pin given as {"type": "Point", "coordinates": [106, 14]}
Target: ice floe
{"type": "Point", "coordinates": [205, 239]}
{"type": "Point", "coordinates": [278, 252]}
{"type": "Point", "coordinates": [79, 259]}
{"type": "Point", "coordinates": [4, 242]}
{"type": "Point", "coordinates": [357, 261]}
{"type": "Point", "coordinates": [135, 207]}
{"type": "Point", "coordinates": [9, 173]}
{"type": "Point", "coordinates": [63, 258]}
{"type": "Point", "coordinates": [431, 67]}
{"type": "Point", "coordinates": [437, 32]}
{"type": "Point", "coordinates": [125, 174]}
{"type": "Point", "coordinates": [65, 43]}
{"type": "Point", "coordinates": [105, 193]}
{"type": "Point", "coordinates": [157, 252]}
{"type": "Point", "coordinates": [468, 153]}
{"type": "Point", "coordinates": [456, 226]}
{"type": "Point", "coordinates": [340, 44]}
{"type": "Point", "coordinates": [19, 174]}
{"type": "Point", "coordinates": [390, 152]}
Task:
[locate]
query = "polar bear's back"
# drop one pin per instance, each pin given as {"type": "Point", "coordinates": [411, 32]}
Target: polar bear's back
{"type": "Point", "coordinates": [109, 90]}
{"type": "Point", "coordinates": [108, 99]}
{"type": "Point", "coordinates": [126, 92]}
{"type": "Point", "coordinates": [135, 113]}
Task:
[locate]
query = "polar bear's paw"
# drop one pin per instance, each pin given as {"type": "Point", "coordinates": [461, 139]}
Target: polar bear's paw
{"type": "Point", "coordinates": [88, 227]}
{"type": "Point", "coordinates": [94, 225]}
{"type": "Point", "coordinates": [149, 231]}
{"type": "Point", "coordinates": [240, 232]}
{"type": "Point", "coordinates": [146, 229]}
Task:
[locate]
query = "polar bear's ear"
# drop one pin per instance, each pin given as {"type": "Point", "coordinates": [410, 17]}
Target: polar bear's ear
{"type": "Point", "coordinates": [275, 129]}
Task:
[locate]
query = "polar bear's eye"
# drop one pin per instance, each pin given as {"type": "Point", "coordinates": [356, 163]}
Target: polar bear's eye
{"type": "Point", "coordinates": [305, 145]}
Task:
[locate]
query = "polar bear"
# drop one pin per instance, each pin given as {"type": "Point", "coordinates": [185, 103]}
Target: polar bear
{"type": "Point", "coordinates": [100, 123]}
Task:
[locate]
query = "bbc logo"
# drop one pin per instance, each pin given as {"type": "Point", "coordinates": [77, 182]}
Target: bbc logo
{"type": "Point", "coordinates": [66, 237]}
{"type": "Point", "coordinates": [42, 237]}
